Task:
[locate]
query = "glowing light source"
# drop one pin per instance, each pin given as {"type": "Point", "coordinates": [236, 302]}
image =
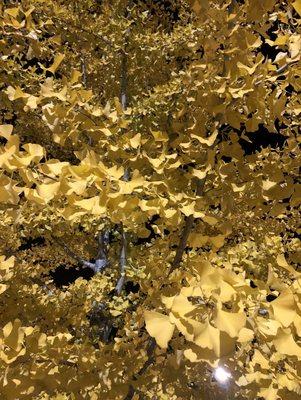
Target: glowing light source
{"type": "Point", "coordinates": [221, 375]}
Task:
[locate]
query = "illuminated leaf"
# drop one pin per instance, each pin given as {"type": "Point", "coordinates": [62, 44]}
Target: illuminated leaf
{"type": "Point", "coordinates": [285, 344]}
{"type": "Point", "coordinates": [232, 323]}
{"type": "Point", "coordinates": [189, 197]}
{"type": "Point", "coordinates": [6, 130]}
{"type": "Point", "coordinates": [297, 6]}
{"type": "Point", "coordinates": [56, 63]}
{"type": "Point", "coordinates": [269, 394]}
{"type": "Point", "coordinates": [281, 261]}
{"type": "Point", "coordinates": [208, 141]}
{"type": "Point", "coordinates": [284, 308]}
{"type": "Point", "coordinates": [159, 327]}
{"type": "Point", "coordinates": [160, 136]}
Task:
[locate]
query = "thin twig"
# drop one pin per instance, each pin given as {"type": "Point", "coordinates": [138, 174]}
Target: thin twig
{"type": "Point", "coordinates": [84, 72]}
{"type": "Point", "coordinates": [278, 71]}
{"type": "Point", "coordinates": [284, 67]}
{"type": "Point", "coordinates": [86, 115]}
{"type": "Point", "coordinates": [46, 176]}
{"type": "Point", "coordinates": [90, 141]}
{"type": "Point", "coordinates": [81, 28]}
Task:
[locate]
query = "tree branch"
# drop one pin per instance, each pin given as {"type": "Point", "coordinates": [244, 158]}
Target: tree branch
{"type": "Point", "coordinates": [126, 176]}
{"type": "Point", "coordinates": [122, 261]}
{"type": "Point", "coordinates": [123, 79]}
{"type": "Point", "coordinates": [186, 231]}
{"type": "Point", "coordinates": [98, 266]}
{"type": "Point", "coordinates": [102, 255]}
{"type": "Point", "coordinates": [150, 359]}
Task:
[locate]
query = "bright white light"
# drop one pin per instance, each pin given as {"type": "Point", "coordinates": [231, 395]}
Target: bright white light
{"type": "Point", "coordinates": [221, 375]}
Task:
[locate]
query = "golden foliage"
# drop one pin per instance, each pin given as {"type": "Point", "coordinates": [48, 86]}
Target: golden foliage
{"type": "Point", "coordinates": [181, 167]}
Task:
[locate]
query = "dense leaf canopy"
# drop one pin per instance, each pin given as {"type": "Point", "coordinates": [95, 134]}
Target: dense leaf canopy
{"type": "Point", "coordinates": [150, 199]}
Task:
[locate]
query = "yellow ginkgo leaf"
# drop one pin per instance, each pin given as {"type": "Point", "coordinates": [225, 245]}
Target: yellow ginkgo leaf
{"type": "Point", "coordinates": [259, 359]}
{"type": "Point", "coordinates": [246, 69]}
{"type": "Point", "coordinates": [285, 344]}
{"type": "Point", "coordinates": [181, 305]}
{"type": "Point", "coordinates": [35, 150]}
{"type": "Point", "coordinates": [15, 93]}
{"type": "Point", "coordinates": [273, 281]}
{"type": "Point", "coordinates": [269, 393]}
{"type": "Point", "coordinates": [14, 335]}
{"type": "Point", "coordinates": [135, 141]}
{"type": "Point", "coordinates": [297, 6]}
{"type": "Point", "coordinates": [3, 288]}
{"type": "Point", "coordinates": [6, 131]}
{"type": "Point", "coordinates": [212, 338]}
{"type": "Point", "coordinates": [53, 167]}
{"type": "Point", "coordinates": [200, 174]}
{"type": "Point", "coordinates": [281, 261]}
{"type": "Point", "coordinates": [7, 264]}
{"type": "Point", "coordinates": [159, 327]}
{"type": "Point", "coordinates": [7, 329]}
{"type": "Point", "coordinates": [225, 292]}
{"type": "Point", "coordinates": [208, 337]}
{"type": "Point", "coordinates": [208, 141]}
{"type": "Point", "coordinates": [14, 11]}
{"type": "Point", "coordinates": [268, 327]}
{"type": "Point", "coordinates": [160, 136]}
{"type": "Point", "coordinates": [284, 308]}
{"type": "Point", "coordinates": [93, 205]}
{"type": "Point", "coordinates": [56, 63]}
{"type": "Point", "coordinates": [230, 323]}
{"type": "Point", "coordinates": [167, 301]}
{"type": "Point", "coordinates": [187, 326]}
{"type": "Point", "coordinates": [48, 191]}
{"type": "Point", "coordinates": [9, 193]}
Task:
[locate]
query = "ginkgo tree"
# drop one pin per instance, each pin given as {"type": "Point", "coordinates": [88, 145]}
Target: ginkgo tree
{"type": "Point", "coordinates": [150, 149]}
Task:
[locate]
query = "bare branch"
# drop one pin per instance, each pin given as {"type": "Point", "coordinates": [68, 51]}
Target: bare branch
{"type": "Point", "coordinates": [93, 266]}
{"type": "Point", "coordinates": [122, 261]}
{"type": "Point", "coordinates": [102, 255]}
{"type": "Point", "coordinates": [123, 81]}
{"type": "Point", "coordinates": [103, 241]}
